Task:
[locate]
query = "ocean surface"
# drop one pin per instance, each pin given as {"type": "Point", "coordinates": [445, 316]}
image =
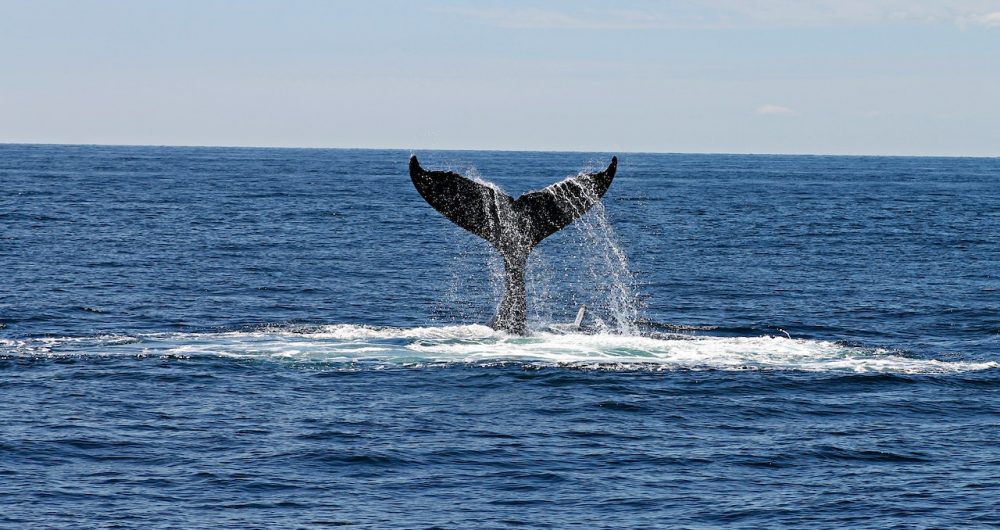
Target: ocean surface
{"type": "Point", "coordinates": [286, 338]}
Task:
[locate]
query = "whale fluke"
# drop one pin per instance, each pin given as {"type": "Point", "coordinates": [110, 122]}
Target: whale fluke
{"type": "Point", "coordinates": [513, 227]}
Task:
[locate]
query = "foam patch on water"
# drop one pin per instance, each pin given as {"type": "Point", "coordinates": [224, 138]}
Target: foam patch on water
{"type": "Point", "coordinates": [473, 344]}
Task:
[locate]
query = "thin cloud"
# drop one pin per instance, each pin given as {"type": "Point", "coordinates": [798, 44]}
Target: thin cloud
{"type": "Point", "coordinates": [990, 20]}
{"type": "Point", "coordinates": [775, 110]}
{"type": "Point", "coordinates": [529, 18]}
{"type": "Point", "coordinates": [740, 14]}
{"type": "Point", "coordinates": [535, 18]}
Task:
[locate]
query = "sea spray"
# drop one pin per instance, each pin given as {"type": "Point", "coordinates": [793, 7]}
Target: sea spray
{"type": "Point", "coordinates": [477, 280]}
{"type": "Point", "coordinates": [471, 289]}
{"type": "Point", "coordinates": [582, 266]}
{"type": "Point", "coordinates": [585, 266]}
{"type": "Point", "coordinates": [613, 283]}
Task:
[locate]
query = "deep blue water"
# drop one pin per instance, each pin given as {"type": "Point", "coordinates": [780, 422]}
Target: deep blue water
{"type": "Point", "coordinates": [232, 338]}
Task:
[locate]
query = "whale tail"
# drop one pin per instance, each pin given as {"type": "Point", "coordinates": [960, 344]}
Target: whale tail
{"type": "Point", "coordinates": [512, 226]}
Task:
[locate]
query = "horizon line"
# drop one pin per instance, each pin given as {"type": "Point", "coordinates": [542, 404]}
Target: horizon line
{"type": "Point", "coordinates": [520, 150]}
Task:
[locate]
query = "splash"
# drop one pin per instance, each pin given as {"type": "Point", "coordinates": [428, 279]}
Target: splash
{"type": "Point", "coordinates": [608, 272]}
{"type": "Point", "coordinates": [582, 265]}
{"type": "Point", "coordinates": [587, 266]}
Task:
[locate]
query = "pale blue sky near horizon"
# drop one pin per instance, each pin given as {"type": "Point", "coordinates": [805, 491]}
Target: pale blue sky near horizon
{"type": "Point", "coordinates": [882, 77]}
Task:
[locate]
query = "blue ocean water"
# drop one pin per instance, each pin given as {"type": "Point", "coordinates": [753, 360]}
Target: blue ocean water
{"type": "Point", "coordinates": [232, 338]}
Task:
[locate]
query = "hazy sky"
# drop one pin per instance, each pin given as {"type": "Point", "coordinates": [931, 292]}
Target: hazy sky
{"type": "Point", "coordinates": [758, 76]}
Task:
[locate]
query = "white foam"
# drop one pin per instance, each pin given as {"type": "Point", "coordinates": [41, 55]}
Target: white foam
{"type": "Point", "coordinates": [356, 332]}
{"type": "Point", "coordinates": [390, 346]}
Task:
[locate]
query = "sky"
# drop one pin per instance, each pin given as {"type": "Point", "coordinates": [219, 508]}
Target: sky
{"type": "Point", "coordinates": [882, 77]}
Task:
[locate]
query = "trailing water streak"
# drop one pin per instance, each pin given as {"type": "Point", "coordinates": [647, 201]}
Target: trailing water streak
{"type": "Point", "coordinates": [356, 346]}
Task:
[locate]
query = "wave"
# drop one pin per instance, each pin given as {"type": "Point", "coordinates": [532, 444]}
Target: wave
{"type": "Point", "coordinates": [361, 345]}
